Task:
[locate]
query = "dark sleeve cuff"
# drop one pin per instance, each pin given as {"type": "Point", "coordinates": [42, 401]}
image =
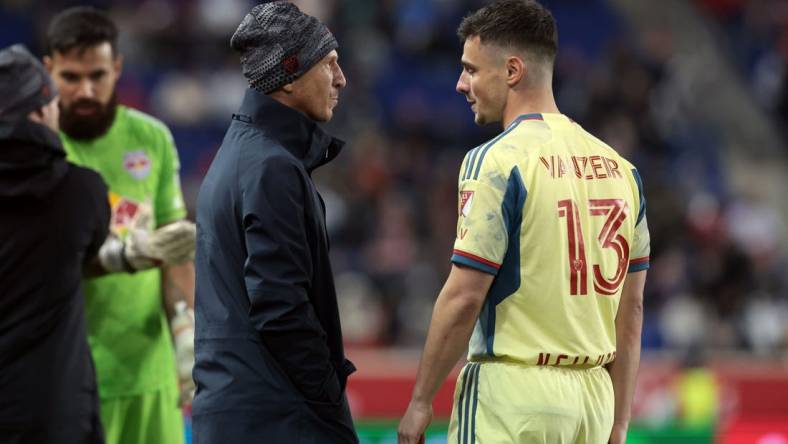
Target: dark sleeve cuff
{"type": "Point", "coordinates": [463, 258]}
{"type": "Point", "coordinates": [639, 264]}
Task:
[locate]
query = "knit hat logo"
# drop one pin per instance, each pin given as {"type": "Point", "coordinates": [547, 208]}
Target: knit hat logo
{"type": "Point", "coordinates": [290, 64]}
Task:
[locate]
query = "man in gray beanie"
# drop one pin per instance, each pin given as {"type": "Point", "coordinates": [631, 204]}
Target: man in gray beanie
{"type": "Point", "coordinates": [55, 217]}
{"type": "Point", "coordinates": [25, 88]}
{"type": "Point", "coordinates": [270, 365]}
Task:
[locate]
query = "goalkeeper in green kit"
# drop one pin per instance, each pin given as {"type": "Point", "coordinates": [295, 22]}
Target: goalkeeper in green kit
{"type": "Point", "coordinates": [143, 280]}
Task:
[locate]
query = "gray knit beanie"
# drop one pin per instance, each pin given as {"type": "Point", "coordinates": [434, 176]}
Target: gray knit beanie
{"type": "Point", "coordinates": [25, 86]}
{"type": "Point", "coordinates": [279, 43]}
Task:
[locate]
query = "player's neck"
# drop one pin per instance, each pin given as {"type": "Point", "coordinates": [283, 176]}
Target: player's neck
{"type": "Point", "coordinates": [528, 102]}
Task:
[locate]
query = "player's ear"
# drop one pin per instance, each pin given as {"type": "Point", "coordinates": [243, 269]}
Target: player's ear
{"type": "Point", "coordinates": [515, 70]}
{"type": "Point", "coordinates": [117, 65]}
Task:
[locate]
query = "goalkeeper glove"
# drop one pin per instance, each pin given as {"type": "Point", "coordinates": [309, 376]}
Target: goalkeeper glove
{"type": "Point", "coordinates": [171, 244]}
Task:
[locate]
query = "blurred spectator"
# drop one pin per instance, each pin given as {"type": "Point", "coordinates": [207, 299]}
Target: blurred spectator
{"type": "Point", "coordinates": [698, 392]}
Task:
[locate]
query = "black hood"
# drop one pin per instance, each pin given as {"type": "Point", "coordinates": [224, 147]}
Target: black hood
{"type": "Point", "coordinates": [32, 161]}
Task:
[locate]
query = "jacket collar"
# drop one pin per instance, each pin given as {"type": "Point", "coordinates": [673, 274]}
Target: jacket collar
{"type": "Point", "coordinates": [32, 161]}
{"type": "Point", "coordinates": [38, 134]}
{"type": "Point", "coordinates": [296, 132]}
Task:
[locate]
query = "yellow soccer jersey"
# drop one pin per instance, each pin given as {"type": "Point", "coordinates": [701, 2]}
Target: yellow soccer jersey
{"type": "Point", "coordinates": [558, 217]}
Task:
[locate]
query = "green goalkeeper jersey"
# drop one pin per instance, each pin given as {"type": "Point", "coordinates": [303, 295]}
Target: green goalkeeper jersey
{"type": "Point", "coordinates": [127, 327]}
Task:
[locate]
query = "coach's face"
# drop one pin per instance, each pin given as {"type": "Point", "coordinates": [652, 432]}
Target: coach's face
{"type": "Point", "coordinates": [483, 80]}
{"type": "Point", "coordinates": [316, 93]}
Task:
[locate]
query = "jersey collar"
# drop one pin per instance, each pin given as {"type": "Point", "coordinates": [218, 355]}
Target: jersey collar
{"type": "Point", "coordinates": [521, 117]}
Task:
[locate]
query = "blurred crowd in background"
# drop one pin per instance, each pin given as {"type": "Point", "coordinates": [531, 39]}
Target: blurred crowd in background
{"type": "Point", "coordinates": [718, 279]}
{"type": "Point", "coordinates": [756, 35]}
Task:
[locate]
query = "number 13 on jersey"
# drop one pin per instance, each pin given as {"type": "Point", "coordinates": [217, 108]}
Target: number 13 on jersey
{"type": "Point", "coordinates": [616, 211]}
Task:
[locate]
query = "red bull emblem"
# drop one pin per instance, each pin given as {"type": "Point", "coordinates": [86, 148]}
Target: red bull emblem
{"type": "Point", "coordinates": [137, 163]}
{"type": "Point", "coordinates": [129, 214]}
{"type": "Point", "coordinates": [124, 213]}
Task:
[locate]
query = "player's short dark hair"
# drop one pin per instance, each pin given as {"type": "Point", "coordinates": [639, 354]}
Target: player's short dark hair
{"type": "Point", "coordinates": [523, 24]}
{"type": "Point", "coordinates": [81, 27]}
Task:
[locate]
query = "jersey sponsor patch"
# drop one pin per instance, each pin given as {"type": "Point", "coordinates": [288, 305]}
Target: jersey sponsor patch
{"type": "Point", "coordinates": [137, 163]}
{"type": "Point", "coordinates": [466, 200]}
{"type": "Point", "coordinates": [129, 214]}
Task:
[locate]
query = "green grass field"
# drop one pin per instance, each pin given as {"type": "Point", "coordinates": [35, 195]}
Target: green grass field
{"type": "Point", "coordinates": [385, 432]}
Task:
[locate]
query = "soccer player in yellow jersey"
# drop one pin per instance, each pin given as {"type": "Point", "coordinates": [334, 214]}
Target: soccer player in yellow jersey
{"type": "Point", "coordinates": [549, 261]}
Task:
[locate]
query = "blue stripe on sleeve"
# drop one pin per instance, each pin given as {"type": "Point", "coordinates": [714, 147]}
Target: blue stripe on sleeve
{"type": "Point", "coordinates": [469, 165]}
{"type": "Point", "coordinates": [638, 267]}
{"type": "Point", "coordinates": [481, 159]}
{"type": "Point", "coordinates": [462, 260]}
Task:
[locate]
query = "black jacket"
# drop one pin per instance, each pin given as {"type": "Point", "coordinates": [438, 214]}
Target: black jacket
{"type": "Point", "coordinates": [54, 216]}
{"type": "Point", "coordinates": [270, 365]}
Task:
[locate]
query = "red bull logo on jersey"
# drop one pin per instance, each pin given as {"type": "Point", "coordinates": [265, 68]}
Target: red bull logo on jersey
{"type": "Point", "coordinates": [124, 213]}
{"type": "Point", "coordinates": [137, 163]}
{"type": "Point", "coordinates": [466, 200]}
{"type": "Point", "coordinates": [128, 214]}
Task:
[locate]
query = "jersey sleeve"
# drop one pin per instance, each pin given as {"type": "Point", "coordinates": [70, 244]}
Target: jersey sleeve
{"type": "Point", "coordinates": [641, 242]}
{"type": "Point", "coordinates": [169, 199]}
{"type": "Point", "coordinates": [482, 235]}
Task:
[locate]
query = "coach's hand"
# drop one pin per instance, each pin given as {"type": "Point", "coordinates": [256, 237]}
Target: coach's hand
{"type": "Point", "coordinates": [414, 423]}
{"type": "Point", "coordinates": [619, 434]}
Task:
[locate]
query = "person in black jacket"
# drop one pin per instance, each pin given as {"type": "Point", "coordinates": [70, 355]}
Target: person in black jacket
{"type": "Point", "coordinates": [270, 365]}
{"type": "Point", "coordinates": [54, 216]}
